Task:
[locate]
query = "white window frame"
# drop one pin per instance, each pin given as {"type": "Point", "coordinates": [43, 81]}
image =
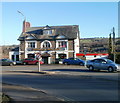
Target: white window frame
{"type": "Point", "coordinates": [44, 42]}
{"type": "Point", "coordinates": [26, 44]}
{"type": "Point", "coordinates": [47, 32]}
{"type": "Point", "coordinates": [57, 44]}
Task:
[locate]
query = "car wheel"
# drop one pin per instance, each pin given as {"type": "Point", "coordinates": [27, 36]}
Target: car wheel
{"type": "Point", "coordinates": [81, 64]}
{"type": "Point", "coordinates": [66, 63]}
{"type": "Point", "coordinates": [24, 63]}
{"type": "Point", "coordinates": [36, 63]}
{"type": "Point", "coordinates": [91, 68]}
{"type": "Point", "coordinates": [110, 69]}
{"type": "Point", "coordinates": [11, 64]}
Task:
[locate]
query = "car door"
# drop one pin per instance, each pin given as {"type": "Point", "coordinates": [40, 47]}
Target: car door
{"type": "Point", "coordinates": [4, 62]}
{"type": "Point", "coordinates": [96, 64]}
{"type": "Point", "coordinates": [104, 65]}
{"type": "Point", "coordinates": [76, 61]}
{"type": "Point", "coordinates": [31, 61]}
{"type": "Point", "coordinates": [71, 61]}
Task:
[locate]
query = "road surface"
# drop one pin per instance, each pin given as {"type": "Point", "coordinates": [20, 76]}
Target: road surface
{"type": "Point", "coordinates": [72, 83]}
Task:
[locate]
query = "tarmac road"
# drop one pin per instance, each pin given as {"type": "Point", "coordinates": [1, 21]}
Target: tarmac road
{"type": "Point", "coordinates": [72, 83]}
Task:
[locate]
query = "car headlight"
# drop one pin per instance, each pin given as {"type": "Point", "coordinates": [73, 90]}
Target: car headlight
{"type": "Point", "coordinates": [117, 66]}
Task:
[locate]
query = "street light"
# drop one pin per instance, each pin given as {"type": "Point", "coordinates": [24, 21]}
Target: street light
{"type": "Point", "coordinates": [22, 14]}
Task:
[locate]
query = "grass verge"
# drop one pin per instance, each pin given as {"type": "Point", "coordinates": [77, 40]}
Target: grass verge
{"type": "Point", "coordinates": [5, 98]}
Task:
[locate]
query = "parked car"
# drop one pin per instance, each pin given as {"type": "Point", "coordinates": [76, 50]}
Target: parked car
{"type": "Point", "coordinates": [6, 62]}
{"type": "Point", "coordinates": [19, 62]}
{"type": "Point", "coordinates": [74, 61]}
{"type": "Point", "coordinates": [102, 64]}
{"type": "Point", "coordinates": [31, 61]}
{"type": "Point", "coordinates": [58, 61]}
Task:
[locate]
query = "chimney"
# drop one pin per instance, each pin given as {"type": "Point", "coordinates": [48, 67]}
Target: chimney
{"type": "Point", "coordinates": [25, 26]}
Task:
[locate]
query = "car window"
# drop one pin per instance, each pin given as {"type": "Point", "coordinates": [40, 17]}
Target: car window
{"type": "Point", "coordinates": [75, 59]}
{"type": "Point", "coordinates": [92, 60]}
{"type": "Point", "coordinates": [71, 58]}
{"type": "Point", "coordinates": [98, 61]}
{"type": "Point", "coordinates": [110, 61]}
{"type": "Point", "coordinates": [103, 61]}
{"type": "Point", "coordinates": [4, 60]}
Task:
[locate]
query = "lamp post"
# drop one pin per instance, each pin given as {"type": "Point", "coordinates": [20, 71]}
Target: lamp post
{"type": "Point", "coordinates": [22, 14]}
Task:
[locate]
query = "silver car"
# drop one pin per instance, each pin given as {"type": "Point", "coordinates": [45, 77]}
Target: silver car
{"type": "Point", "coordinates": [102, 64]}
{"type": "Point", "coordinates": [6, 62]}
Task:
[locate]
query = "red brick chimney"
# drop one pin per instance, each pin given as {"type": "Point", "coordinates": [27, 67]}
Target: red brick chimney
{"type": "Point", "coordinates": [25, 25]}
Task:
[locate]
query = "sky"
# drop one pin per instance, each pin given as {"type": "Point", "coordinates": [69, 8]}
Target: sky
{"type": "Point", "coordinates": [95, 19]}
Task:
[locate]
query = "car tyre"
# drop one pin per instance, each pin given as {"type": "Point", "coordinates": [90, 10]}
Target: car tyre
{"type": "Point", "coordinates": [81, 64]}
{"type": "Point", "coordinates": [91, 68]}
{"type": "Point", "coordinates": [36, 63]}
{"type": "Point", "coordinates": [24, 63]}
{"type": "Point", "coordinates": [66, 63]}
{"type": "Point", "coordinates": [11, 64]}
{"type": "Point", "coordinates": [110, 69]}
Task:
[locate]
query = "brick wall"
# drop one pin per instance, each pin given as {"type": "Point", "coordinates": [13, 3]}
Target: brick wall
{"type": "Point", "coordinates": [70, 44]}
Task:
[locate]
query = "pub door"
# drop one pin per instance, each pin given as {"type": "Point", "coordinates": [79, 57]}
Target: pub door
{"type": "Point", "coordinates": [45, 60]}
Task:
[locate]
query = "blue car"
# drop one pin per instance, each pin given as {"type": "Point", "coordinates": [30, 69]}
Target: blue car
{"type": "Point", "coordinates": [74, 61]}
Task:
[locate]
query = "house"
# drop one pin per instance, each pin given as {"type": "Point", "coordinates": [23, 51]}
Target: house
{"type": "Point", "coordinates": [14, 54]}
{"type": "Point", "coordinates": [52, 42]}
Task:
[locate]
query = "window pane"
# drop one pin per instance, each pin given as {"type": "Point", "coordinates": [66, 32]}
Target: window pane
{"type": "Point", "coordinates": [46, 45]}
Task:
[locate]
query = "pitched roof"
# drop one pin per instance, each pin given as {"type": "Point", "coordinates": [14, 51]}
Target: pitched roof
{"type": "Point", "coordinates": [69, 31]}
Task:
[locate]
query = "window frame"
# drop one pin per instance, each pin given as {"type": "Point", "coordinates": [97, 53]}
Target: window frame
{"type": "Point", "coordinates": [46, 41]}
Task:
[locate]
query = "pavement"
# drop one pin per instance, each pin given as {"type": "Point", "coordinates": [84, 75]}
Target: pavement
{"type": "Point", "coordinates": [15, 92]}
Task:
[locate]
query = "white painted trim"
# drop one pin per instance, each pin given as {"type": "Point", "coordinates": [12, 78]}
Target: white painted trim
{"type": "Point", "coordinates": [26, 46]}
{"type": "Point", "coordinates": [44, 42]}
{"type": "Point", "coordinates": [62, 40]}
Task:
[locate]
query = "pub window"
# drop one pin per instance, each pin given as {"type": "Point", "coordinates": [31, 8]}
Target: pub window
{"type": "Point", "coordinates": [47, 32]}
{"type": "Point", "coordinates": [62, 44]}
{"type": "Point", "coordinates": [31, 44]}
{"type": "Point", "coordinates": [46, 44]}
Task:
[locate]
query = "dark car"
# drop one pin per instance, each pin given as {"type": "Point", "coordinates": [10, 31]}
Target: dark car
{"type": "Point", "coordinates": [6, 62]}
{"type": "Point", "coordinates": [74, 61]}
{"type": "Point", "coordinates": [102, 64]}
{"type": "Point", "coordinates": [31, 61]}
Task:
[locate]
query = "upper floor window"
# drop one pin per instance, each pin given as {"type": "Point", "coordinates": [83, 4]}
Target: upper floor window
{"type": "Point", "coordinates": [31, 44]}
{"type": "Point", "coordinates": [46, 44]}
{"type": "Point", "coordinates": [62, 44]}
{"type": "Point", "coordinates": [48, 32]}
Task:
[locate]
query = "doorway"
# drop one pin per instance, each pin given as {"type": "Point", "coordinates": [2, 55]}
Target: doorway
{"type": "Point", "coordinates": [31, 55]}
{"type": "Point", "coordinates": [45, 60]}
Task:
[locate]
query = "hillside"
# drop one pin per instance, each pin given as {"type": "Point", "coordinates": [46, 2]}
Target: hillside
{"type": "Point", "coordinates": [97, 45]}
{"type": "Point", "coordinates": [4, 53]}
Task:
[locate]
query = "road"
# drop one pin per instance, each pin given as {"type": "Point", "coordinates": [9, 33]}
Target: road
{"type": "Point", "coordinates": [72, 83]}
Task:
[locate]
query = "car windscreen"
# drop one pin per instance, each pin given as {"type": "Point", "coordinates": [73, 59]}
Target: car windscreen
{"type": "Point", "coordinates": [110, 61]}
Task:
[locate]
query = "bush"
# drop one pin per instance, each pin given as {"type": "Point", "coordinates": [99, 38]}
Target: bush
{"type": "Point", "coordinates": [5, 98]}
{"type": "Point", "coordinates": [117, 59]}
